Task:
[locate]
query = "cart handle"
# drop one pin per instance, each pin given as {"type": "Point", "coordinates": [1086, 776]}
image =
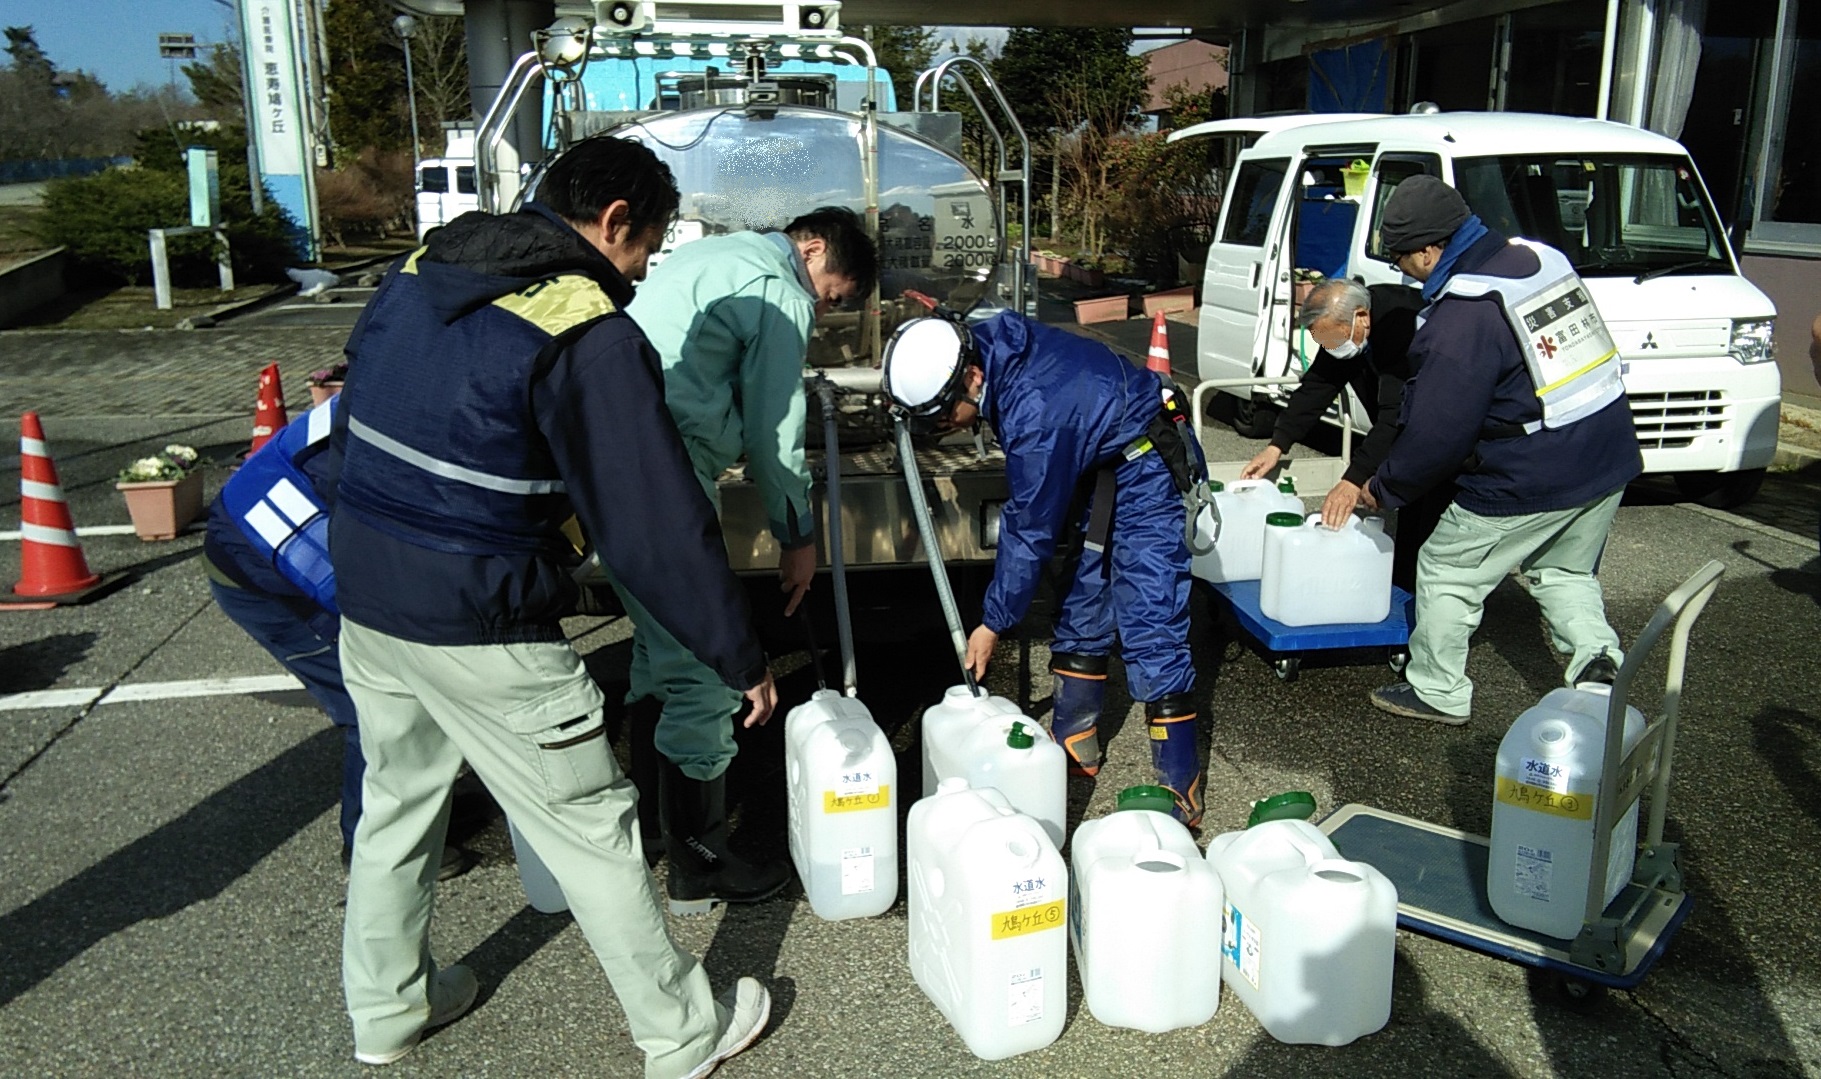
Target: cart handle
{"type": "Point", "coordinates": [1680, 608]}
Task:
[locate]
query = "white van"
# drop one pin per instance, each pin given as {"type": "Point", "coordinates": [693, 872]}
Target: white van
{"type": "Point", "coordinates": [445, 191]}
{"type": "Point", "coordinates": [1626, 206]}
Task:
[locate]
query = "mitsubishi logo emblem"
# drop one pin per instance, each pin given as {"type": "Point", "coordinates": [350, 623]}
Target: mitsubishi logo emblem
{"type": "Point", "coordinates": [1650, 341]}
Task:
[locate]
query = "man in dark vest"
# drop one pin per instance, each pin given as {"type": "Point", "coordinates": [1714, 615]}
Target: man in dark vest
{"type": "Point", "coordinates": [496, 387]}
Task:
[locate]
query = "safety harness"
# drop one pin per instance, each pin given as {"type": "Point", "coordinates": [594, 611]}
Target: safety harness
{"type": "Point", "coordinates": [1170, 437]}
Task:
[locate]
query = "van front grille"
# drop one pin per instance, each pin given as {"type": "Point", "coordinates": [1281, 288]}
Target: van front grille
{"type": "Point", "coordinates": [1672, 421]}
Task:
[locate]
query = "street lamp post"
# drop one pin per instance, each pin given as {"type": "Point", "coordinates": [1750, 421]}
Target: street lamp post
{"type": "Point", "coordinates": [406, 27]}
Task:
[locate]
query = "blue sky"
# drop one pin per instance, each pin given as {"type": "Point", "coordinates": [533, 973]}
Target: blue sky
{"type": "Point", "coordinates": [116, 40]}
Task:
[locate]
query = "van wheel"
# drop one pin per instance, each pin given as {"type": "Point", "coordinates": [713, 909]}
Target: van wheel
{"type": "Point", "coordinates": [1253, 418]}
{"type": "Point", "coordinates": [1720, 490]}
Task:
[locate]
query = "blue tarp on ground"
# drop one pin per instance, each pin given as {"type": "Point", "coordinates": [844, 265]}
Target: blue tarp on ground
{"type": "Point", "coordinates": [25, 172]}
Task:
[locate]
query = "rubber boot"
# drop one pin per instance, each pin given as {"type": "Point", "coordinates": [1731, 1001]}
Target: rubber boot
{"type": "Point", "coordinates": [703, 871]}
{"type": "Point", "coordinates": [641, 728]}
{"type": "Point", "coordinates": [1081, 692]}
{"type": "Point", "coordinates": [1170, 721]}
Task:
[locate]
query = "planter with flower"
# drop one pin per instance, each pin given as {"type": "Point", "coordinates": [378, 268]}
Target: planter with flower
{"type": "Point", "coordinates": [326, 382]}
{"type": "Point", "coordinates": [163, 492]}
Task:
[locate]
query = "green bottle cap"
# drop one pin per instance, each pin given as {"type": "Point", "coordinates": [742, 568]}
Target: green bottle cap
{"type": "Point", "coordinates": [1287, 485]}
{"type": "Point", "coordinates": [1216, 485]}
{"type": "Point", "coordinates": [1290, 805]}
{"type": "Point", "coordinates": [1284, 520]}
{"type": "Point", "coordinates": [1019, 738]}
{"type": "Point", "coordinates": [1157, 799]}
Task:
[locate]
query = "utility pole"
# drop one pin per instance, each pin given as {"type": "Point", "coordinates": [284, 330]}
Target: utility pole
{"type": "Point", "coordinates": [406, 26]}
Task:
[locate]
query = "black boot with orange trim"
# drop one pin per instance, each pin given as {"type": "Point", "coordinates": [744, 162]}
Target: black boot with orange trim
{"type": "Point", "coordinates": [1081, 690]}
{"type": "Point", "coordinates": [1170, 721]}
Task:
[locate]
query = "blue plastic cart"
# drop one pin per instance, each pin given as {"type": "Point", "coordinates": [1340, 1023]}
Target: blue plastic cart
{"type": "Point", "coordinates": [1284, 646]}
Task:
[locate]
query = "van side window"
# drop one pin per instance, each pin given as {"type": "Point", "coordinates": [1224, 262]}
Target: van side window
{"type": "Point", "coordinates": [1254, 198]}
{"type": "Point", "coordinates": [434, 179]}
{"type": "Point", "coordinates": [464, 179]}
{"type": "Point", "coordinates": [1391, 170]}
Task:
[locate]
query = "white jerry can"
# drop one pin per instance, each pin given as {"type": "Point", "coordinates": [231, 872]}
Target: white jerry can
{"type": "Point", "coordinates": [843, 783]}
{"type": "Point", "coordinates": [1145, 918]}
{"type": "Point", "coordinates": [1549, 767]}
{"type": "Point", "coordinates": [1309, 937]}
{"type": "Point", "coordinates": [1319, 576]}
{"type": "Point", "coordinates": [972, 737]}
{"type": "Point", "coordinates": [1235, 521]}
{"type": "Point", "coordinates": [988, 906]}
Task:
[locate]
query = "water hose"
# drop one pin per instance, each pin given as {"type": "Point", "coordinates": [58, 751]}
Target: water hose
{"type": "Point", "coordinates": [837, 556]}
{"type": "Point", "coordinates": [907, 456]}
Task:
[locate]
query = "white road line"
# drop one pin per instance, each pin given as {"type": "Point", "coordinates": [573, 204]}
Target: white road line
{"type": "Point", "coordinates": [91, 530]}
{"type": "Point", "coordinates": [149, 691]}
{"type": "Point", "coordinates": [48, 698]}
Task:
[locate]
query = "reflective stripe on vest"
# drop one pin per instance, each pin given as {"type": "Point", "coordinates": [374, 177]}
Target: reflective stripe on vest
{"type": "Point", "coordinates": [274, 504]}
{"type": "Point", "coordinates": [1573, 362]}
{"type": "Point", "coordinates": [448, 470]}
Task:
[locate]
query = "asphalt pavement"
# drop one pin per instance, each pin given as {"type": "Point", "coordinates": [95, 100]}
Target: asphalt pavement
{"type": "Point", "coordinates": [170, 896]}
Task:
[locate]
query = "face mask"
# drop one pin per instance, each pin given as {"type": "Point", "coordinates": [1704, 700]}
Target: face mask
{"type": "Point", "coordinates": [1346, 350]}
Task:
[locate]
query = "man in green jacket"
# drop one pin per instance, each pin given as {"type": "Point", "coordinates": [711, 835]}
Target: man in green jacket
{"type": "Point", "coordinates": [731, 316]}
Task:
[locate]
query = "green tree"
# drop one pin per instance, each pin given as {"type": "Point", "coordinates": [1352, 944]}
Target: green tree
{"type": "Point", "coordinates": [1073, 89]}
{"type": "Point", "coordinates": [217, 86]}
{"type": "Point", "coordinates": [29, 60]}
{"type": "Point", "coordinates": [902, 51]}
{"type": "Point", "coordinates": [366, 77]}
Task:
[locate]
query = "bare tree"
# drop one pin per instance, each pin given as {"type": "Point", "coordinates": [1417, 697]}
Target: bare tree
{"type": "Point", "coordinates": [439, 50]}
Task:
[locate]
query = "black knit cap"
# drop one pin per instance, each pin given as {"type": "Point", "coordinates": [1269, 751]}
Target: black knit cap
{"type": "Point", "coordinates": [1422, 211]}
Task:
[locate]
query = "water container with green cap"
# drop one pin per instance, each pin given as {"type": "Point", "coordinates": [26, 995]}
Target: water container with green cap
{"type": "Point", "coordinates": [1018, 758]}
{"type": "Point", "coordinates": [1141, 917]}
{"type": "Point", "coordinates": [1290, 805]}
{"type": "Point", "coordinates": [1147, 796]}
{"type": "Point", "coordinates": [1314, 575]}
{"type": "Point", "coordinates": [1234, 522]}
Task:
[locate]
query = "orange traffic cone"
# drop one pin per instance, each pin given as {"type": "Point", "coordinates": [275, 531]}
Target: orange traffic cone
{"type": "Point", "coordinates": [269, 410]}
{"type": "Point", "coordinates": [52, 570]}
{"type": "Point", "coordinates": [1159, 358]}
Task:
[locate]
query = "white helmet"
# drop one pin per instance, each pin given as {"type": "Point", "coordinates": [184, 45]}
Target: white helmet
{"type": "Point", "coordinates": [926, 362]}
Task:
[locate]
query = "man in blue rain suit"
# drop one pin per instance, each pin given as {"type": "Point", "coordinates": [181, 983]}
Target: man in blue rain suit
{"type": "Point", "coordinates": [1517, 397]}
{"type": "Point", "coordinates": [266, 554]}
{"type": "Point", "coordinates": [1074, 417]}
{"type": "Point", "coordinates": [495, 388]}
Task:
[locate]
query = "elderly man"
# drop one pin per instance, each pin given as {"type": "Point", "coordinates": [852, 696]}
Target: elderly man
{"type": "Point", "coordinates": [1363, 335]}
{"type": "Point", "coordinates": [1517, 390]}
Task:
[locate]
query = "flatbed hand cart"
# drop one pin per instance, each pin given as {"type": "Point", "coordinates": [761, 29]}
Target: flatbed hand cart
{"type": "Point", "coordinates": [1441, 873]}
{"type": "Point", "coordinates": [1284, 645]}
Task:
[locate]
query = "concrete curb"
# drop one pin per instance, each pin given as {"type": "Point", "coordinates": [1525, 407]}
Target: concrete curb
{"type": "Point", "coordinates": [1794, 458]}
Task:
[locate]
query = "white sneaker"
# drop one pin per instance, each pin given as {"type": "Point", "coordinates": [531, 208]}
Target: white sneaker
{"type": "Point", "coordinates": [451, 995]}
{"type": "Point", "coordinates": [743, 1011]}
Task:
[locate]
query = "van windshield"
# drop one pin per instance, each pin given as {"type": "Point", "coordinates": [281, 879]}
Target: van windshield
{"type": "Point", "coordinates": [1611, 214]}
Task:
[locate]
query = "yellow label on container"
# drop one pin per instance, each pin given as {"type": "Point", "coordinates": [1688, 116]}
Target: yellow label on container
{"type": "Point", "coordinates": [1016, 923]}
{"type": "Point", "coordinates": [854, 803]}
{"type": "Point", "coordinates": [1567, 804]}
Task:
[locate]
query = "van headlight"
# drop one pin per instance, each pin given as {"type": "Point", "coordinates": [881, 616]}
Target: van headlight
{"type": "Point", "coordinates": [1752, 340]}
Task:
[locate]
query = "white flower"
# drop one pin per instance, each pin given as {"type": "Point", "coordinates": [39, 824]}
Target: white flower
{"type": "Point", "coordinates": [184, 456]}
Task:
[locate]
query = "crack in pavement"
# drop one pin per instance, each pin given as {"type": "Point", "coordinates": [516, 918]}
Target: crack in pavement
{"type": "Point", "coordinates": [6, 783]}
{"type": "Point", "coordinates": [1676, 1046]}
